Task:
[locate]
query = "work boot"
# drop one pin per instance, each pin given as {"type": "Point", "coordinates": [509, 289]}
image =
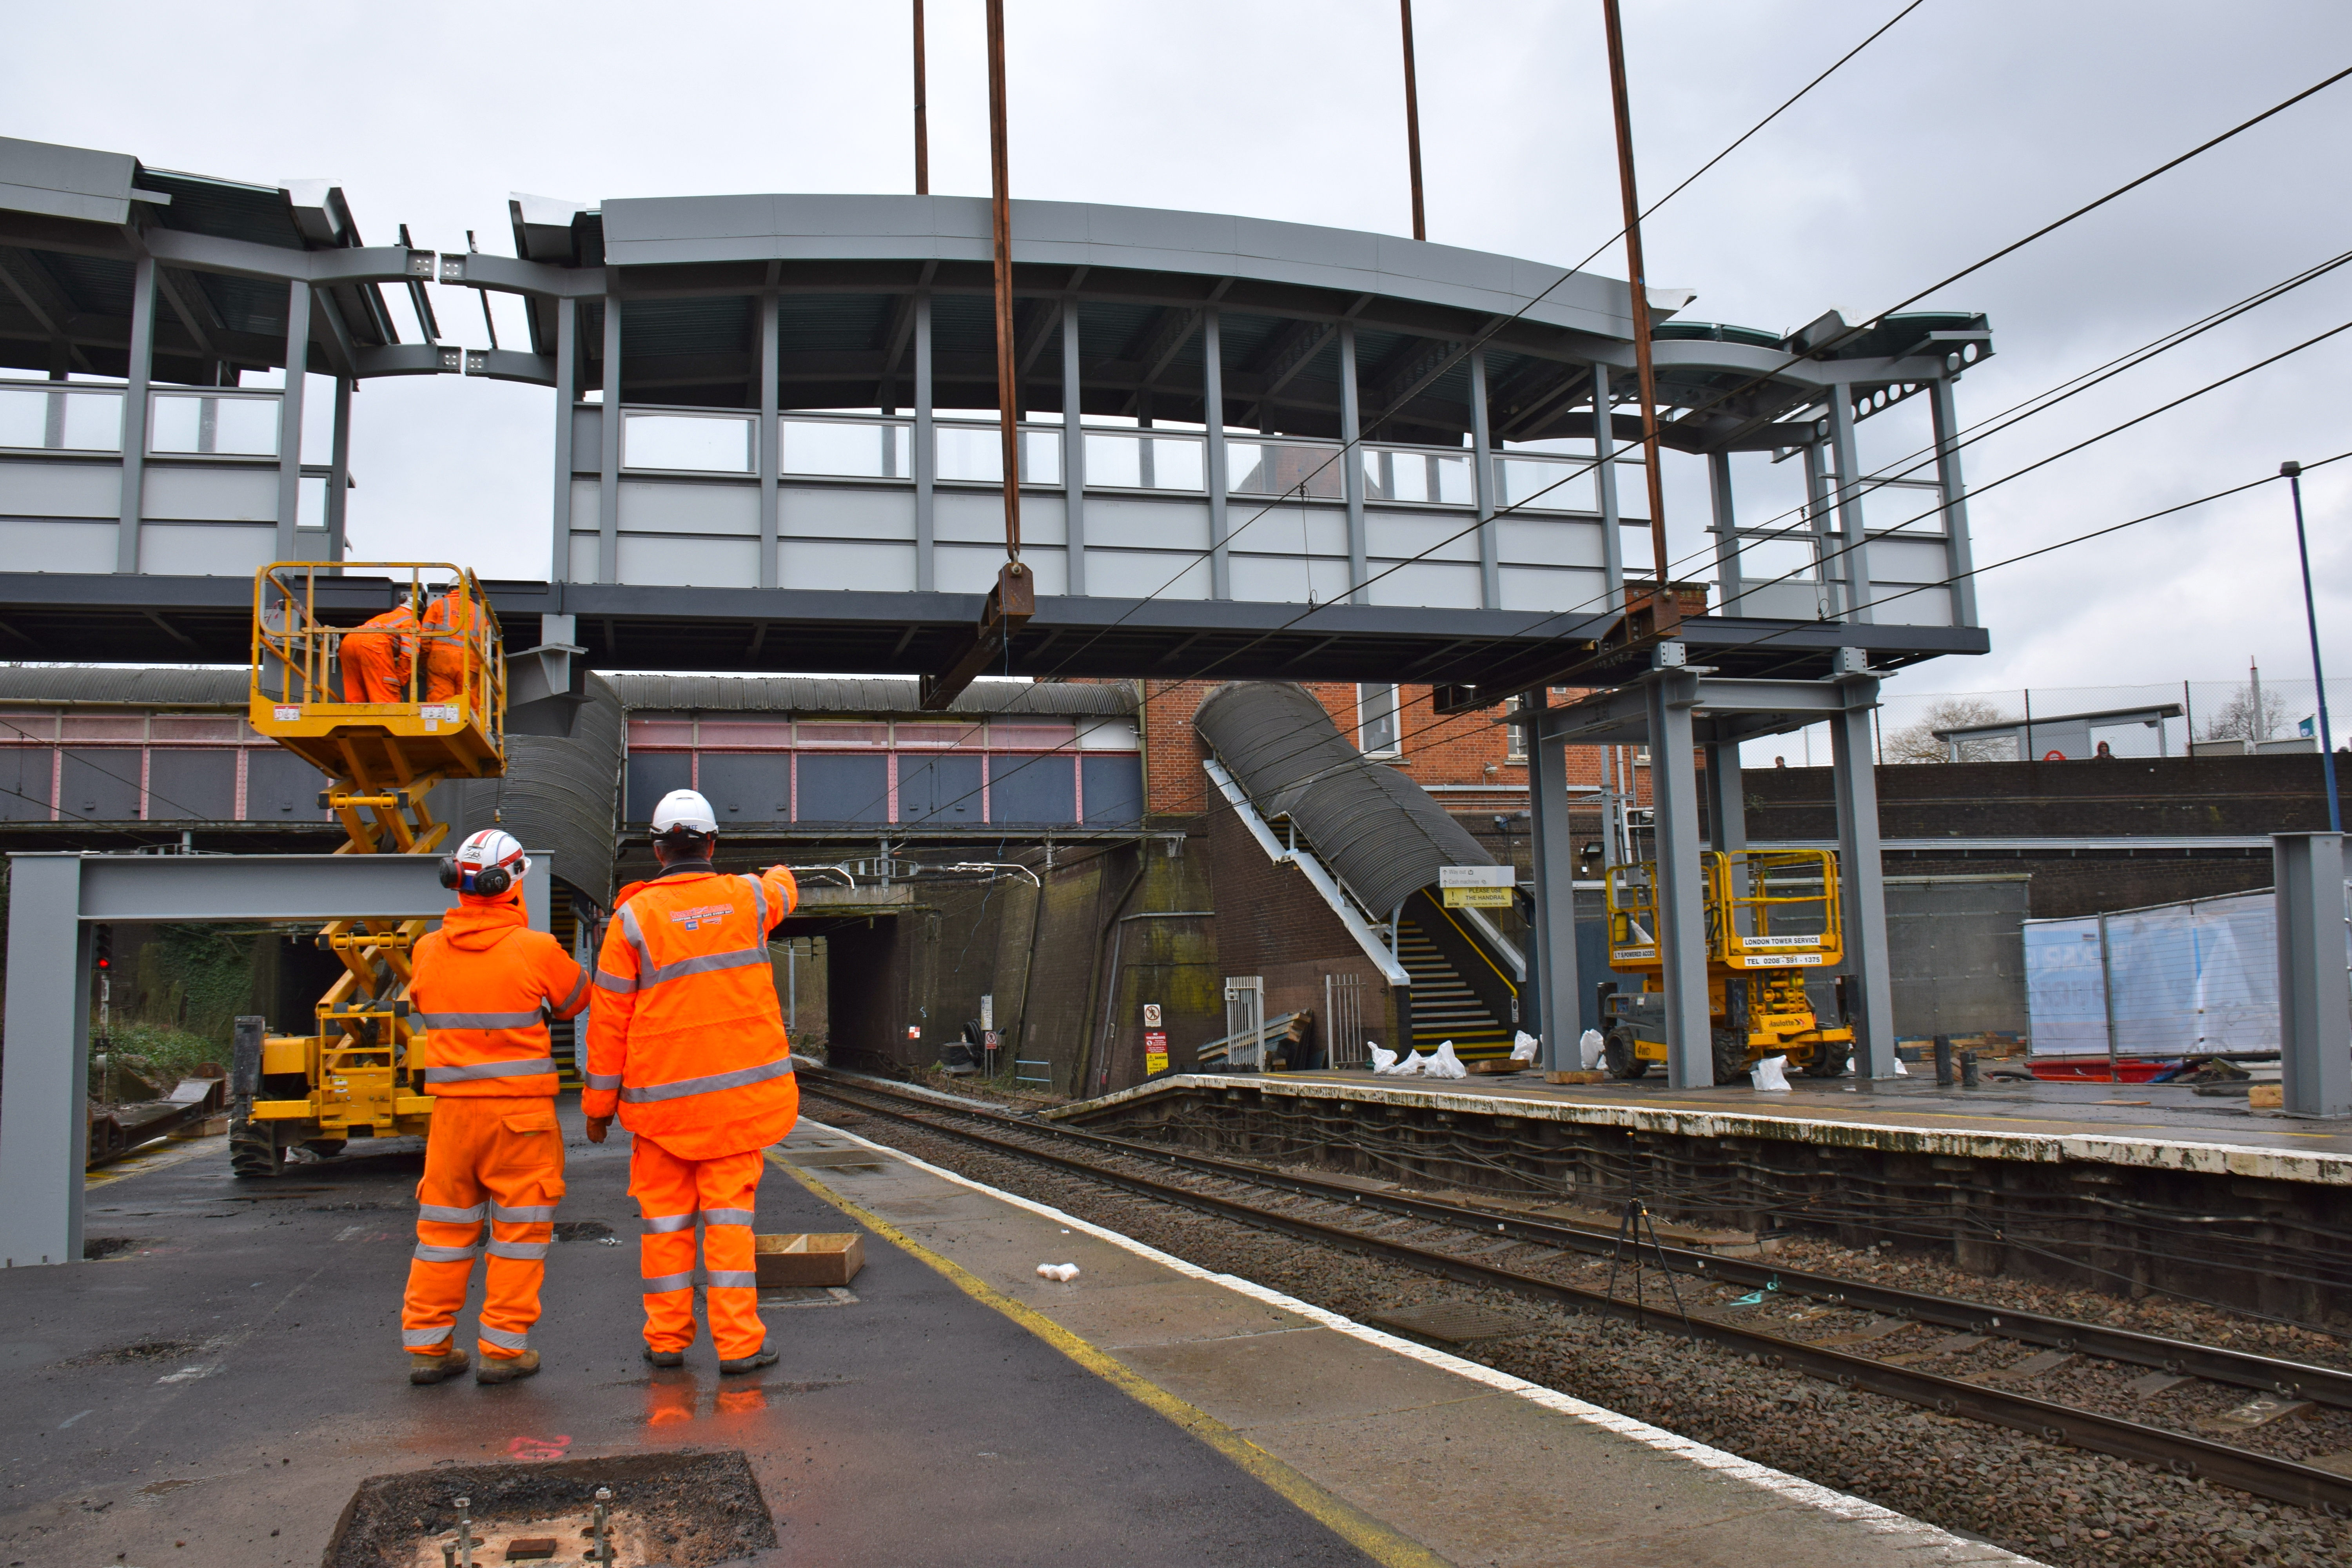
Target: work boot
{"type": "Point", "coordinates": [506, 1368]}
{"type": "Point", "coordinates": [433, 1366]}
{"type": "Point", "coordinates": [664, 1358]}
{"type": "Point", "coordinates": [759, 1358]}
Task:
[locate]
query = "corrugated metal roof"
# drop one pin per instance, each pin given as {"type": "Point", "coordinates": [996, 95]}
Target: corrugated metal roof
{"type": "Point", "coordinates": [1380, 832]}
{"type": "Point", "coordinates": [165, 688]}
{"type": "Point", "coordinates": [812, 694]}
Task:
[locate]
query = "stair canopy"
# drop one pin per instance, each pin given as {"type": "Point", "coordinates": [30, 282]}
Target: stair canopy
{"type": "Point", "coordinates": [1380, 832]}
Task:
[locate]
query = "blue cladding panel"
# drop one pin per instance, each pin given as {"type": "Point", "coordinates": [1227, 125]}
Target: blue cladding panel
{"type": "Point", "coordinates": [191, 785]}
{"type": "Point", "coordinates": [941, 790]}
{"type": "Point", "coordinates": [98, 785]}
{"type": "Point", "coordinates": [837, 787]}
{"type": "Point", "coordinates": [748, 786]}
{"type": "Point", "coordinates": [653, 774]}
{"type": "Point", "coordinates": [1039, 788]}
{"type": "Point", "coordinates": [25, 784]}
{"type": "Point", "coordinates": [1114, 788]}
{"type": "Point", "coordinates": [281, 787]}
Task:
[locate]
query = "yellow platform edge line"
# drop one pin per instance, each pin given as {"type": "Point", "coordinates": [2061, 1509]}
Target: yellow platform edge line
{"type": "Point", "coordinates": [1384, 1543]}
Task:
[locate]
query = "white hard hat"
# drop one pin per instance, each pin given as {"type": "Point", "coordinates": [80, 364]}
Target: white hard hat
{"type": "Point", "coordinates": [489, 864]}
{"type": "Point", "coordinates": [683, 811]}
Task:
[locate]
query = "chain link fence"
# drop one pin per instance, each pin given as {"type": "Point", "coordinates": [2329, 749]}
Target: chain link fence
{"type": "Point", "coordinates": [2072, 722]}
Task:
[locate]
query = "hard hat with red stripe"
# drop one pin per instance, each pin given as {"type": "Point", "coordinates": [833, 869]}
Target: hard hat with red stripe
{"type": "Point", "coordinates": [489, 865]}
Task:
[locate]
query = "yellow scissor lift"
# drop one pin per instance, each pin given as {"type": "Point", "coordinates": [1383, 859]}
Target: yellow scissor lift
{"type": "Point", "coordinates": [355, 1076]}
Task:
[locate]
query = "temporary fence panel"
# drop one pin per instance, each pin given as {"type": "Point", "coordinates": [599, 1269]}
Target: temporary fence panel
{"type": "Point", "coordinates": [1343, 1021]}
{"type": "Point", "coordinates": [2180, 979]}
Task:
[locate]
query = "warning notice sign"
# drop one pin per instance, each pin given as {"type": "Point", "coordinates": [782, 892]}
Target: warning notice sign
{"type": "Point", "coordinates": [1155, 1051]}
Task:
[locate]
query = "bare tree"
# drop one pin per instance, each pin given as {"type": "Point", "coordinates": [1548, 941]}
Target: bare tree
{"type": "Point", "coordinates": [1916, 742]}
{"type": "Point", "coordinates": [2236, 720]}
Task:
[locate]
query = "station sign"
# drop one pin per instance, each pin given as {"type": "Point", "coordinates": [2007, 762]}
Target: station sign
{"type": "Point", "coordinates": [1478, 886]}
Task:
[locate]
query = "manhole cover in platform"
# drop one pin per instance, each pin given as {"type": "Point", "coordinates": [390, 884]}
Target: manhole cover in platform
{"type": "Point", "coordinates": [681, 1510]}
{"type": "Point", "coordinates": [1455, 1324]}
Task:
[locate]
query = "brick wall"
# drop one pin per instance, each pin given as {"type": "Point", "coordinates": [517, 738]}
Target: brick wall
{"type": "Point", "coordinates": [1272, 922]}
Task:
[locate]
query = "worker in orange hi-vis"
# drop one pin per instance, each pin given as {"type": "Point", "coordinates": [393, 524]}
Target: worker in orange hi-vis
{"type": "Point", "coordinates": [447, 658]}
{"type": "Point", "coordinates": [486, 985]}
{"type": "Point", "coordinates": [687, 1043]}
{"type": "Point", "coordinates": [376, 658]}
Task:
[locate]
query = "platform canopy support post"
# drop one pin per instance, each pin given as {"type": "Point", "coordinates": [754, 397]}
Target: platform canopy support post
{"type": "Point", "coordinates": [2314, 1011]}
{"type": "Point", "coordinates": [1557, 988]}
{"type": "Point", "coordinates": [289, 419]}
{"type": "Point", "coordinates": [1727, 804]}
{"type": "Point", "coordinates": [1681, 893]}
{"type": "Point", "coordinates": [1862, 873]}
{"type": "Point", "coordinates": [567, 395]}
{"type": "Point", "coordinates": [44, 1129]}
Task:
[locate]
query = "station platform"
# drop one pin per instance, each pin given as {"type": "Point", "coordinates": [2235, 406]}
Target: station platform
{"type": "Point", "coordinates": [218, 1387]}
{"type": "Point", "coordinates": [2166, 1127]}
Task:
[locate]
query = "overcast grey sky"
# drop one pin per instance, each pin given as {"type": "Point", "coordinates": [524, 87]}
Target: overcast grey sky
{"type": "Point", "coordinates": [1971, 123]}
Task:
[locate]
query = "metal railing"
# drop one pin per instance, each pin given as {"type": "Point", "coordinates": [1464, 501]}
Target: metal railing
{"type": "Point", "coordinates": [1343, 1021]}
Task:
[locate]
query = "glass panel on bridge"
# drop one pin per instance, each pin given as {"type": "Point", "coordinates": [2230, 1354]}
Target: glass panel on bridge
{"type": "Point", "coordinates": [847, 449]}
{"type": "Point", "coordinates": [976, 453]}
{"type": "Point", "coordinates": [51, 418]}
{"type": "Point", "coordinates": [1144, 461]}
{"type": "Point", "coordinates": [1286, 467]}
{"type": "Point", "coordinates": [214, 424]}
{"type": "Point", "coordinates": [1412, 474]}
{"type": "Point", "coordinates": [1544, 484]}
{"type": "Point", "coordinates": [697, 443]}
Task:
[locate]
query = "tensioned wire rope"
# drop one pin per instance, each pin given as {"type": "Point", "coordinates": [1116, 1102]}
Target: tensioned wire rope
{"type": "Point", "coordinates": [2011, 249]}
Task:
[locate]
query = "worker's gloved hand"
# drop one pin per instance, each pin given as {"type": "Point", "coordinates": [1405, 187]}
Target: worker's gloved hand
{"type": "Point", "coordinates": [596, 1128]}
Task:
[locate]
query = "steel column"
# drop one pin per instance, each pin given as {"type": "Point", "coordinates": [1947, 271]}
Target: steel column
{"type": "Point", "coordinates": [1352, 454]}
{"type": "Point", "coordinates": [1725, 529]}
{"type": "Point", "coordinates": [927, 457]}
{"type": "Point", "coordinates": [1855, 561]}
{"type": "Point", "coordinates": [1726, 800]}
{"type": "Point", "coordinates": [1074, 449]}
{"type": "Point", "coordinates": [1213, 418]}
{"type": "Point", "coordinates": [1959, 563]}
{"type": "Point", "coordinates": [134, 411]}
{"type": "Point", "coordinates": [338, 468]}
{"type": "Point", "coordinates": [1551, 961]}
{"type": "Point", "coordinates": [1482, 482]}
{"type": "Point", "coordinates": [1818, 514]}
{"type": "Point", "coordinates": [567, 395]}
{"type": "Point", "coordinates": [1681, 890]}
{"type": "Point", "coordinates": [1862, 874]}
{"type": "Point", "coordinates": [43, 1128]}
{"type": "Point", "coordinates": [2315, 1036]}
{"type": "Point", "coordinates": [608, 487]}
{"type": "Point", "coordinates": [771, 437]}
{"type": "Point", "coordinates": [1604, 478]}
{"type": "Point", "coordinates": [289, 416]}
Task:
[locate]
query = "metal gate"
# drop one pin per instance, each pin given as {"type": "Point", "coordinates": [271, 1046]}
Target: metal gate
{"type": "Point", "coordinates": [1246, 1023]}
{"type": "Point", "coordinates": [1343, 1021]}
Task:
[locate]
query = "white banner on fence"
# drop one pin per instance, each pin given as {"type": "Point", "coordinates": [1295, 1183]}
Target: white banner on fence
{"type": "Point", "coordinates": [2201, 976]}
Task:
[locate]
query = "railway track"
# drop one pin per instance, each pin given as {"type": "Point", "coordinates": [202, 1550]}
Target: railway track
{"type": "Point", "coordinates": [1333, 1214]}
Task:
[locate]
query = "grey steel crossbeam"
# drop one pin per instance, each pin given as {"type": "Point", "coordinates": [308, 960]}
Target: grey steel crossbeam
{"type": "Point", "coordinates": [245, 259]}
{"type": "Point", "coordinates": [1604, 718]}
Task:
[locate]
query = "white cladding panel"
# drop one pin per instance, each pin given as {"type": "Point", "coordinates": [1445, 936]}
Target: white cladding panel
{"type": "Point", "coordinates": [977, 517]}
{"type": "Point", "coordinates": [1909, 560]}
{"type": "Point", "coordinates": [1566, 592]}
{"type": "Point", "coordinates": [1430, 584]}
{"type": "Point", "coordinates": [205, 549]}
{"type": "Point", "coordinates": [1133, 521]}
{"type": "Point", "coordinates": [650, 506]}
{"type": "Point", "coordinates": [29, 544]}
{"type": "Point", "coordinates": [61, 490]}
{"type": "Point", "coordinates": [1430, 535]}
{"type": "Point", "coordinates": [1287, 579]}
{"type": "Point", "coordinates": [872, 567]}
{"type": "Point", "coordinates": [1142, 574]}
{"type": "Point", "coordinates": [683, 560]}
{"type": "Point", "coordinates": [1549, 541]}
{"type": "Point", "coordinates": [846, 511]}
{"type": "Point", "coordinates": [971, 568]}
{"type": "Point", "coordinates": [210, 493]}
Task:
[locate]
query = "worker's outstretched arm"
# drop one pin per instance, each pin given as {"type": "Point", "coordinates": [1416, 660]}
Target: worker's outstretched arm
{"type": "Point", "coordinates": [783, 894]}
{"type": "Point", "coordinates": [615, 990]}
{"type": "Point", "coordinates": [563, 983]}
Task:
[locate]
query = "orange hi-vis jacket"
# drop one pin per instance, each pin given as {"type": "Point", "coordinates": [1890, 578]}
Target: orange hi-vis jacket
{"type": "Point", "coordinates": [685, 1039]}
{"type": "Point", "coordinates": [446, 658]}
{"type": "Point", "coordinates": [485, 983]}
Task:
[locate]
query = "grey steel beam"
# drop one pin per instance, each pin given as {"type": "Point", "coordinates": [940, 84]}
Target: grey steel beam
{"type": "Point", "coordinates": [1862, 871]}
{"type": "Point", "coordinates": [1417, 369]}
{"type": "Point", "coordinates": [608, 486]}
{"type": "Point", "coordinates": [335, 339]}
{"type": "Point", "coordinates": [289, 416]}
{"type": "Point", "coordinates": [1819, 517]}
{"type": "Point", "coordinates": [511, 275]}
{"type": "Point", "coordinates": [1854, 563]}
{"type": "Point", "coordinates": [1353, 473]}
{"type": "Point", "coordinates": [2315, 1036]}
{"type": "Point", "coordinates": [1074, 449]}
{"type": "Point", "coordinates": [1213, 418]}
{"type": "Point", "coordinates": [1680, 888]}
{"type": "Point", "coordinates": [510, 364]}
{"type": "Point", "coordinates": [134, 414]}
{"type": "Point", "coordinates": [1551, 962]}
{"type": "Point", "coordinates": [772, 438]}
{"type": "Point", "coordinates": [339, 469]}
{"type": "Point", "coordinates": [1605, 446]}
{"type": "Point", "coordinates": [567, 383]}
{"type": "Point", "coordinates": [1482, 487]}
{"type": "Point", "coordinates": [414, 359]}
{"type": "Point", "coordinates": [1725, 527]}
{"type": "Point", "coordinates": [1726, 799]}
{"type": "Point", "coordinates": [273, 263]}
{"type": "Point", "coordinates": [927, 455]}
{"type": "Point", "coordinates": [22, 274]}
{"type": "Point", "coordinates": [195, 310]}
{"type": "Point", "coordinates": [1960, 561]}
{"type": "Point", "coordinates": [1579, 722]}
{"type": "Point", "coordinates": [43, 1128]}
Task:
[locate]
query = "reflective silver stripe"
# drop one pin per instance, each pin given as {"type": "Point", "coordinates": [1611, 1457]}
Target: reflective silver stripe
{"type": "Point", "coordinates": [530, 1068]}
{"type": "Point", "coordinates": [685, 1087]}
{"type": "Point", "coordinates": [426, 1339]}
{"type": "Point", "coordinates": [502, 1338]}
{"type": "Point", "coordinates": [611, 982]}
{"type": "Point", "coordinates": [732, 1278]}
{"type": "Point", "coordinates": [601, 1079]}
{"type": "Point", "coordinates": [579, 989]}
{"type": "Point", "coordinates": [517, 1249]}
{"type": "Point", "coordinates": [446, 1216]}
{"type": "Point", "coordinates": [478, 1020]}
{"type": "Point", "coordinates": [728, 1216]}
{"type": "Point", "coordinates": [760, 900]}
{"type": "Point", "coordinates": [662, 1224]}
{"type": "Point", "coordinates": [661, 1283]}
{"type": "Point", "coordinates": [704, 962]}
{"type": "Point", "coordinates": [637, 939]}
{"type": "Point", "coordinates": [427, 1253]}
{"type": "Point", "coordinates": [530, 1214]}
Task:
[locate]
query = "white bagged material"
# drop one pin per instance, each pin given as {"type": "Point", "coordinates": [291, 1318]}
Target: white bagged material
{"type": "Point", "coordinates": [1900, 1071]}
{"type": "Point", "coordinates": [1446, 1064]}
{"type": "Point", "coordinates": [1065, 1272]}
{"type": "Point", "coordinates": [1588, 1048]}
{"type": "Point", "coordinates": [1771, 1076]}
{"type": "Point", "coordinates": [1412, 1065]}
{"type": "Point", "coordinates": [1383, 1059]}
{"type": "Point", "coordinates": [1524, 1047]}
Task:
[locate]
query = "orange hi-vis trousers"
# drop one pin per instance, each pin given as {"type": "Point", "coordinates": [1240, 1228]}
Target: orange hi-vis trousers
{"type": "Point", "coordinates": [495, 1158]}
{"type": "Point", "coordinates": [724, 1192]}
